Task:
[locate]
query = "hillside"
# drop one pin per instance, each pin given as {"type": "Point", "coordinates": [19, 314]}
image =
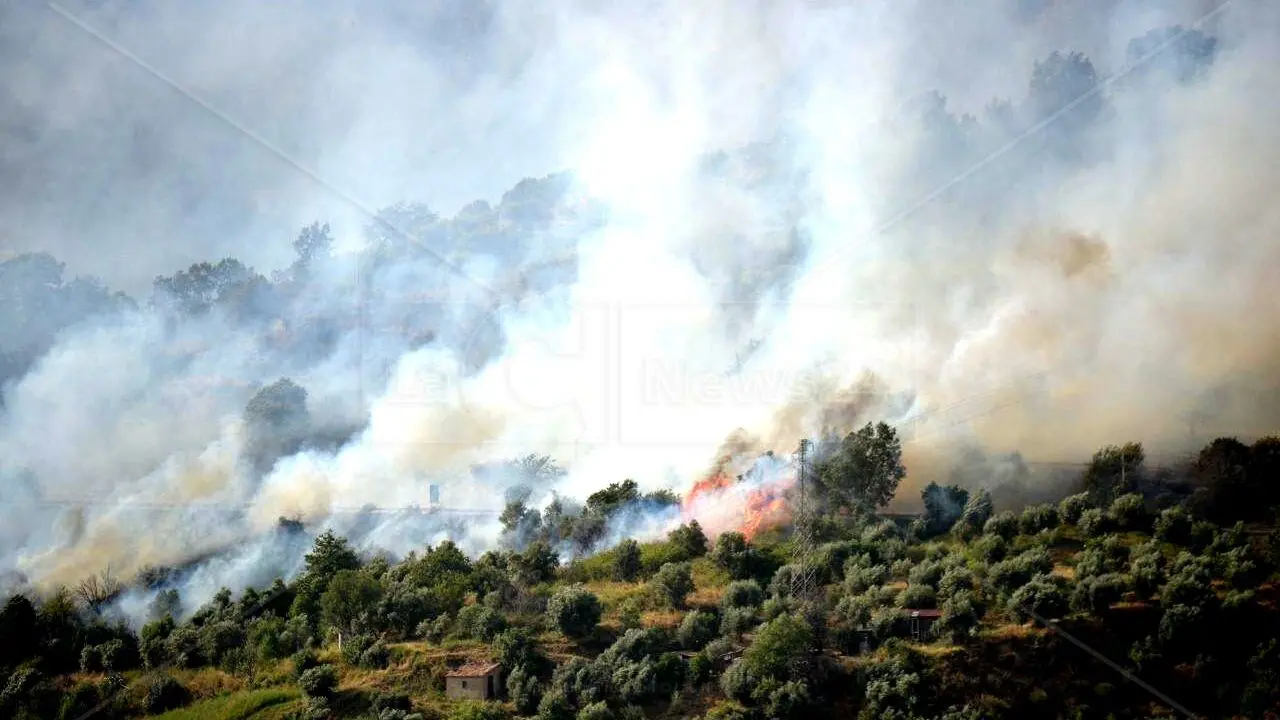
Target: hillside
{"type": "Point", "coordinates": [1109, 603]}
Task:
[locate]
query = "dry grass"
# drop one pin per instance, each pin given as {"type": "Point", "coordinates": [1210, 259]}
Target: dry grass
{"type": "Point", "coordinates": [935, 649]}
{"type": "Point", "coordinates": [705, 596]}
{"type": "Point", "coordinates": [208, 682]}
{"type": "Point", "coordinates": [662, 618]}
{"type": "Point", "coordinates": [1064, 571]}
{"type": "Point", "coordinates": [1009, 631]}
{"type": "Point", "coordinates": [612, 593]}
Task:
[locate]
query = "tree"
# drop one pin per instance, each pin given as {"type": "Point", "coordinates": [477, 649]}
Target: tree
{"type": "Point", "coordinates": [1044, 596]}
{"type": "Point", "coordinates": [1188, 58]}
{"type": "Point", "coordinates": [536, 564]}
{"type": "Point", "coordinates": [863, 472]}
{"type": "Point", "coordinates": [1004, 524]}
{"type": "Point", "coordinates": [1113, 471]}
{"type": "Point", "coordinates": [97, 590]}
{"type": "Point", "coordinates": [942, 506]}
{"type": "Point", "coordinates": [1223, 468]}
{"type": "Point", "coordinates": [349, 595]}
{"type": "Point", "coordinates": [314, 243]}
{"type": "Point", "coordinates": [574, 611]}
{"type": "Point", "coordinates": [18, 627]}
{"type": "Point", "coordinates": [519, 522]}
{"type": "Point", "coordinates": [276, 422]}
{"type": "Point", "coordinates": [405, 230]}
{"type": "Point", "coordinates": [689, 540]}
{"type": "Point", "coordinates": [697, 629]}
{"type": "Point", "coordinates": [977, 511]}
{"type": "Point", "coordinates": [961, 614]}
{"type": "Point", "coordinates": [330, 554]}
{"type": "Point", "coordinates": [616, 495]}
{"type": "Point", "coordinates": [1065, 87]}
{"type": "Point", "coordinates": [198, 288]}
{"type": "Point", "coordinates": [780, 648]}
{"type": "Point", "coordinates": [674, 582]}
{"type": "Point", "coordinates": [626, 561]}
{"type": "Point", "coordinates": [734, 555]}
{"type": "Point", "coordinates": [742, 593]}
{"type": "Point", "coordinates": [319, 681]}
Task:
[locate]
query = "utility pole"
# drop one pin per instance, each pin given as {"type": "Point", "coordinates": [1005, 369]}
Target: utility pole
{"type": "Point", "coordinates": [802, 582]}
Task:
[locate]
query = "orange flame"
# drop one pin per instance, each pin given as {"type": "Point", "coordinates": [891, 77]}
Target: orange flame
{"type": "Point", "coordinates": [765, 509]}
{"type": "Point", "coordinates": [720, 504]}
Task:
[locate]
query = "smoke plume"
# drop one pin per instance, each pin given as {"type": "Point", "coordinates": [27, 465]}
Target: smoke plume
{"type": "Point", "coordinates": [773, 222]}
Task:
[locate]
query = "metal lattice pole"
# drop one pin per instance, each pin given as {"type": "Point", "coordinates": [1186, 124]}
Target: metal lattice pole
{"type": "Point", "coordinates": [803, 580]}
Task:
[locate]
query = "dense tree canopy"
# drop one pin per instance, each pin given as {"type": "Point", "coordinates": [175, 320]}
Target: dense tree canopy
{"type": "Point", "coordinates": [863, 470]}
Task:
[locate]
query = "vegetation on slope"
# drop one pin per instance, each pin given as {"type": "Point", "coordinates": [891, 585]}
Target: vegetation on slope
{"type": "Point", "coordinates": [1138, 577]}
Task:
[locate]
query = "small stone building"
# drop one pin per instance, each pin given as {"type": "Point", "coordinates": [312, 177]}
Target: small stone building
{"type": "Point", "coordinates": [474, 681]}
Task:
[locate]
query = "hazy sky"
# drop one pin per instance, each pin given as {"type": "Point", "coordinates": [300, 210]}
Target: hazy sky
{"type": "Point", "coordinates": [442, 102]}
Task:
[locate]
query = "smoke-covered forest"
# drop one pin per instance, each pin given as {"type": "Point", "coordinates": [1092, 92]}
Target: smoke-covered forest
{"type": "Point", "coordinates": [887, 359]}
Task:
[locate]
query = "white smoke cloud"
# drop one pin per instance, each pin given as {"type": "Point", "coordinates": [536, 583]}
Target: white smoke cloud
{"type": "Point", "coordinates": [704, 304]}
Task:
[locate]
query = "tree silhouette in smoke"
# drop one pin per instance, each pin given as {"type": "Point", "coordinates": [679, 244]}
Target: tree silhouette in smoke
{"type": "Point", "coordinates": [276, 423]}
{"type": "Point", "coordinates": [37, 302]}
{"type": "Point", "coordinates": [1114, 471]}
{"type": "Point", "coordinates": [1190, 56]}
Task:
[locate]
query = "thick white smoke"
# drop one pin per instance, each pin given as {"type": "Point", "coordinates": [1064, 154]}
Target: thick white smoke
{"type": "Point", "coordinates": [753, 292]}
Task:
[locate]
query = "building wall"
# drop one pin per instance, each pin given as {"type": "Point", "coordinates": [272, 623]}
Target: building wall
{"type": "Point", "coordinates": [476, 688]}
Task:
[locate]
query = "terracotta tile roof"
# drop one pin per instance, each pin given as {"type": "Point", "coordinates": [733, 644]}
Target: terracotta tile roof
{"type": "Point", "coordinates": [472, 670]}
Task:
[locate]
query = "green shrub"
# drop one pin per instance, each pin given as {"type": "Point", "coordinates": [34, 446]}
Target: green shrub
{"type": "Point", "coordinates": [783, 578]}
{"type": "Point", "coordinates": [626, 561]}
{"type": "Point", "coordinates": [955, 579]}
{"type": "Point", "coordinates": [697, 629]}
{"type": "Point", "coordinates": [673, 583]}
{"type": "Point", "coordinates": [1094, 523]}
{"type": "Point", "coordinates": [738, 680]}
{"type": "Point", "coordinates": [1037, 518]}
{"type": "Point", "coordinates": [1102, 556]}
{"type": "Point", "coordinates": [480, 623]}
{"type": "Point", "coordinates": [1129, 512]}
{"type": "Point", "coordinates": [728, 711]}
{"type": "Point", "coordinates": [595, 711]}
{"type": "Point", "coordinates": [918, 597]}
{"type": "Point", "coordinates": [524, 690]}
{"type": "Point", "coordinates": [1173, 525]}
{"type": "Point", "coordinates": [165, 693]}
{"type": "Point", "coordinates": [1071, 508]}
{"type": "Point", "coordinates": [303, 660]}
{"type": "Point", "coordinates": [79, 702]}
{"type": "Point", "coordinates": [991, 548]}
{"type": "Point", "coordinates": [737, 620]}
{"type": "Point", "coordinates": [927, 573]}
{"type": "Point", "coordinates": [1011, 574]}
{"type": "Point", "coordinates": [1097, 593]}
{"type": "Point", "coordinates": [472, 710]}
{"type": "Point", "coordinates": [319, 681]}
{"type": "Point", "coordinates": [735, 555]}
{"type": "Point", "coordinates": [1003, 524]}
{"type": "Point", "coordinates": [961, 614]}
{"type": "Point", "coordinates": [574, 611]}
{"type": "Point", "coordinates": [787, 700]}
{"type": "Point", "coordinates": [689, 540]}
{"type": "Point", "coordinates": [1044, 595]}
{"type": "Point", "coordinates": [742, 593]}
{"type": "Point", "coordinates": [90, 659]}
{"type": "Point", "coordinates": [779, 647]}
